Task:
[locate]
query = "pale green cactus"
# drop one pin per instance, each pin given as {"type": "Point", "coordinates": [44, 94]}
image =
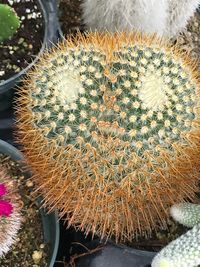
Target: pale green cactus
{"type": "Point", "coordinates": [9, 22]}
{"type": "Point", "coordinates": [110, 125]}
{"type": "Point", "coordinates": [187, 214]}
{"type": "Point", "coordinates": [184, 251]}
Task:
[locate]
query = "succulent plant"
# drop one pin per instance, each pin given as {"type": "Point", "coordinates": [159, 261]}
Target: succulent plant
{"type": "Point", "coordinates": [10, 212]}
{"type": "Point", "coordinates": [110, 126]}
{"type": "Point", "coordinates": [117, 15]}
{"type": "Point", "coordinates": [182, 252]}
{"type": "Point", "coordinates": [187, 214]}
{"type": "Point", "coordinates": [179, 13]}
{"type": "Point", "coordinates": [164, 17]}
{"type": "Point", "coordinates": [9, 22]}
{"type": "Point", "coordinates": [185, 250]}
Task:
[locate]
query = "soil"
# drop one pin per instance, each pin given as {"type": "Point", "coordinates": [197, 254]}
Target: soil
{"type": "Point", "coordinates": [20, 50]}
{"type": "Point", "coordinates": [70, 16]}
{"type": "Point", "coordinates": [30, 241]}
{"type": "Point", "coordinates": [159, 239]}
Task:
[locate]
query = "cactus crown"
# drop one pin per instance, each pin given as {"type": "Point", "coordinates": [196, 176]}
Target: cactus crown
{"type": "Point", "coordinates": [9, 22]}
{"type": "Point", "coordinates": [115, 118]}
{"type": "Point", "coordinates": [10, 217]}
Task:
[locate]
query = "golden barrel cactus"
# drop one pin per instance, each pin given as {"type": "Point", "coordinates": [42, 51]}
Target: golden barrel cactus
{"type": "Point", "coordinates": [110, 126]}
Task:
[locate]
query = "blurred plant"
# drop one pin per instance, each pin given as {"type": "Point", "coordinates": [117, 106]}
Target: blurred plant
{"type": "Point", "coordinates": [164, 17]}
{"type": "Point", "coordinates": [9, 22]}
{"type": "Point", "coordinates": [110, 126]}
{"type": "Point", "coordinates": [10, 216]}
{"type": "Point", "coordinates": [187, 214]}
{"type": "Point", "coordinates": [185, 250]}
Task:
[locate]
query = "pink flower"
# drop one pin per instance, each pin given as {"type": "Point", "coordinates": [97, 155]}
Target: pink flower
{"type": "Point", "coordinates": [5, 208]}
{"type": "Point", "coordinates": [2, 189]}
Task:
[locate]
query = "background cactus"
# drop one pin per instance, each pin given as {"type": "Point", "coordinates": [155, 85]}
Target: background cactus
{"type": "Point", "coordinates": [110, 127]}
{"type": "Point", "coordinates": [179, 13]}
{"type": "Point", "coordinates": [10, 216]}
{"type": "Point", "coordinates": [187, 214]}
{"type": "Point", "coordinates": [184, 251]}
{"type": "Point", "coordinates": [164, 17]}
{"type": "Point", "coordinates": [9, 22]}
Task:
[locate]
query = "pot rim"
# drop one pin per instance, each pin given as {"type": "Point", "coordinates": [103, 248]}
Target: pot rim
{"type": "Point", "coordinates": [15, 154]}
{"type": "Point", "coordinates": [4, 85]}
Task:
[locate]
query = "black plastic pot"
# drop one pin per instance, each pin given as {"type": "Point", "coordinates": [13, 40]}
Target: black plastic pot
{"type": "Point", "coordinates": [50, 36]}
{"type": "Point", "coordinates": [50, 221]}
{"type": "Point", "coordinates": [53, 33]}
{"type": "Point", "coordinates": [110, 255]}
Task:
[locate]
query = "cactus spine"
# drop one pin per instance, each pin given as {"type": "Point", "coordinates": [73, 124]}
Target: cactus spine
{"type": "Point", "coordinates": [164, 17]}
{"type": "Point", "coordinates": [9, 22]}
{"type": "Point", "coordinates": [10, 212]}
{"type": "Point", "coordinates": [110, 126]}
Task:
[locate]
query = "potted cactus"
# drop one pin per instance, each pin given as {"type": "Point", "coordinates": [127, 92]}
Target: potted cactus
{"type": "Point", "coordinates": [29, 237]}
{"type": "Point", "coordinates": [9, 22]}
{"type": "Point", "coordinates": [183, 251]}
{"type": "Point", "coordinates": [26, 28]}
{"type": "Point", "coordinates": [10, 212]}
{"type": "Point", "coordinates": [114, 119]}
{"type": "Point", "coordinates": [164, 17]}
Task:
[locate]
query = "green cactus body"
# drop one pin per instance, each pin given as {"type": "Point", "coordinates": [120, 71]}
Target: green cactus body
{"type": "Point", "coordinates": [187, 214]}
{"type": "Point", "coordinates": [9, 22]}
{"type": "Point", "coordinates": [182, 252]}
{"type": "Point", "coordinates": [113, 119]}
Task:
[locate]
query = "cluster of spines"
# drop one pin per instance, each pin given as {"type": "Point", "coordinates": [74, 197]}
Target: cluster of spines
{"type": "Point", "coordinates": [91, 81]}
{"type": "Point", "coordinates": [101, 168]}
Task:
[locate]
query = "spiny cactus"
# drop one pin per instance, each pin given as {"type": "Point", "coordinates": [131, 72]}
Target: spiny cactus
{"type": "Point", "coordinates": [164, 17]}
{"type": "Point", "coordinates": [110, 126]}
{"type": "Point", "coordinates": [184, 251]}
{"type": "Point", "coordinates": [10, 216]}
{"type": "Point", "coordinates": [121, 15]}
{"type": "Point", "coordinates": [179, 13]}
{"type": "Point", "coordinates": [187, 214]}
{"type": "Point", "coordinates": [9, 22]}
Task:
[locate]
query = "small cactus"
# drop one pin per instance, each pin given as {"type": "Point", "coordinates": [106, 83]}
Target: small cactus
{"type": "Point", "coordinates": [9, 22]}
{"type": "Point", "coordinates": [185, 250]}
{"type": "Point", "coordinates": [182, 252]}
{"type": "Point", "coordinates": [164, 17]}
{"type": "Point", "coordinates": [110, 126]}
{"type": "Point", "coordinates": [10, 216]}
{"type": "Point", "coordinates": [187, 214]}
